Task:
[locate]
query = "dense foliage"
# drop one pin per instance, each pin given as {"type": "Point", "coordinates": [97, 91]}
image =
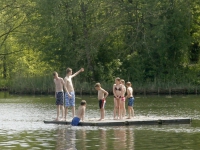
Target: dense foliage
{"type": "Point", "coordinates": [144, 41]}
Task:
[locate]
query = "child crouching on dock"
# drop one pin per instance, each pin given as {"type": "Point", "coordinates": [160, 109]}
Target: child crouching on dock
{"type": "Point", "coordinates": [80, 114]}
{"type": "Point", "coordinates": [102, 94]}
{"type": "Point", "coordinates": [130, 100]}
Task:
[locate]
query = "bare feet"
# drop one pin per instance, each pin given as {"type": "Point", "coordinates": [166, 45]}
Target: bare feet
{"type": "Point", "coordinates": [57, 119]}
{"type": "Point", "coordinates": [128, 118]}
{"type": "Point", "coordinates": [100, 119]}
{"type": "Point", "coordinates": [62, 119]}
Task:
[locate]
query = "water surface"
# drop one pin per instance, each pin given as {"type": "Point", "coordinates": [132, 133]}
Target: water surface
{"type": "Point", "coordinates": [22, 127]}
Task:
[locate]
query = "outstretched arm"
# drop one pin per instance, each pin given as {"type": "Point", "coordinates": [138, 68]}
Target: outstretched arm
{"type": "Point", "coordinates": [75, 74]}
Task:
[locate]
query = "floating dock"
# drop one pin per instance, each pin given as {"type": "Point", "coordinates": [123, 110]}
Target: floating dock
{"type": "Point", "coordinates": [127, 122]}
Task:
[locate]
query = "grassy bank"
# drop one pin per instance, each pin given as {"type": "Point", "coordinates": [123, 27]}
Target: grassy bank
{"type": "Point", "coordinates": [45, 85]}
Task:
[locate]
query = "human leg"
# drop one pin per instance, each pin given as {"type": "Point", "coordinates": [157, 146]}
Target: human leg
{"type": "Point", "coordinates": [123, 109]}
{"type": "Point", "coordinates": [114, 111]}
{"type": "Point", "coordinates": [67, 104]}
{"type": "Point", "coordinates": [129, 112]}
{"type": "Point", "coordinates": [58, 112]}
{"type": "Point", "coordinates": [72, 103]}
{"type": "Point", "coordinates": [132, 111]}
{"type": "Point", "coordinates": [59, 104]}
{"type": "Point", "coordinates": [73, 111]}
{"type": "Point", "coordinates": [118, 109]}
{"type": "Point", "coordinates": [66, 111]}
{"type": "Point", "coordinates": [63, 111]}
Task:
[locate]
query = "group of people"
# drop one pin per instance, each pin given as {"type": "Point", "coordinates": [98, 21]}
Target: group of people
{"type": "Point", "coordinates": [119, 91]}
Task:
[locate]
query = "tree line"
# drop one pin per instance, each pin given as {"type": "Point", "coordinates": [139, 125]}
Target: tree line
{"type": "Point", "coordinates": [143, 41]}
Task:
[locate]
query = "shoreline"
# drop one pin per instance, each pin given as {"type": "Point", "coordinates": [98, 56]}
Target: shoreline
{"type": "Point", "coordinates": [159, 91]}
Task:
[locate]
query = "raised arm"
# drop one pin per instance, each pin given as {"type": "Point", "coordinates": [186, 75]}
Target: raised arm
{"type": "Point", "coordinates": [75, 74]}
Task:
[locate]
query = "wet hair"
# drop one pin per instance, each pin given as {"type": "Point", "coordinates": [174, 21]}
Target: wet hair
{"type": "Point", "coordinates": [97, 85]}
{"type": "Point", "coordinates": [128, 83]}
{"type": "Point", "coordinates": [68, 70]}
{"type": "Point", "coordinates": [122, 81]}
{"type": "Point", "coordinates": [118, 79]}
{"type": "Point", "coordinates": [83, 102]}
{"type": "Point", "coordinates": [54, 73]}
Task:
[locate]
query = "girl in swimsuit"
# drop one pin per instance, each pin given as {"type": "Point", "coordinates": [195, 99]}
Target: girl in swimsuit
{"type": "Point", "coordinates": [117, 91]}
{"type": "Point", "coordinates": [122, 106]}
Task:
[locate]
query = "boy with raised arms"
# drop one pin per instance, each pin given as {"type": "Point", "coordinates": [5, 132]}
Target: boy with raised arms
{"type": "Point", "coordinates": [102, 94]}
{"type": "Point", "coordinates": [70, 101]}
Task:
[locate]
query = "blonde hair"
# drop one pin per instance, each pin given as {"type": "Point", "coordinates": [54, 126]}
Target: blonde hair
{"type": "Point", "coordinates": [97, 85]}
{"type": "Point", "coordinates": [68, 70]}
{"type": "Point", "coordinates": [122, 81]}
{"type": "Point", "coordinates": [128, 84]}
{"type": "Point", "coordinates": [54, 73]}
{"type": "Point", "coordinates": [118, 79]}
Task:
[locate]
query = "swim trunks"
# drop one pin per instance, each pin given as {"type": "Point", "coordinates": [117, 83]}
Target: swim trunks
{"type": "Point", "coordinates": [130, 101]}
{"type": "Point", "coordinates": [75, 121]}
{"type": "Point", "coordinates": [123, 99]}
{"type": "Point", "coordinates": [102, 103]}
{"type": "Point", "coordinates": [70, 101]}
{"type": "Point", "coordinates": [59, 98]}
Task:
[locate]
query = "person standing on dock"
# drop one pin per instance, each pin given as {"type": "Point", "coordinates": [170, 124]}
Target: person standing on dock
{"type": "Point", "coordinates": [102, 94]}
{"type": "Point", "coordinates": [117, 91]}
{"type": "Point", "coordinates": [59, 94]}
{"type": "Point", "coordinates": [70, 101]}
{"type": "Point", "coordinates": [123, 99]}
{"type": "Point", "coordinates": [130, 100]}
{"type": "Point", "coordinates": [80, 114]}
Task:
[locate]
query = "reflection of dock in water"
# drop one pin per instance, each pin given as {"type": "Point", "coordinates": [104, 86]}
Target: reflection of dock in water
{"type": "Point", "coordinates": [128, 122]}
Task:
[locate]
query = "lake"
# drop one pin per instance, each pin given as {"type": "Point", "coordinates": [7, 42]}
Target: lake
{"type": "Point", "coordinates": [22, 127]}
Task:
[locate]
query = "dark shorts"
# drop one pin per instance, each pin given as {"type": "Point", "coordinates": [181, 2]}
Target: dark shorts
{"type": "Point", "coordinates": [59, 98]}
{"type": "Point", "coordinates": [75, 121]}
{"type": "Point", "coordinates": [102, 103]}
{"type": "Point", "coordinates": [130, 101]}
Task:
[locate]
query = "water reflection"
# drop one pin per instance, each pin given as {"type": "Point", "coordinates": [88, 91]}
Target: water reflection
{"type": "Point", "coordinates": [71, 138]}
{"type": "Point", "coordinates": [124, 139]}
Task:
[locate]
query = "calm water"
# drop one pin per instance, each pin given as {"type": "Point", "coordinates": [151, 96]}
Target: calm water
{"type": "Point", "coordinates": [22, 127]}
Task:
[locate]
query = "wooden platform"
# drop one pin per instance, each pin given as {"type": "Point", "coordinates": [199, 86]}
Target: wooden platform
{"type": "Point", "coordinates": [127, 122]}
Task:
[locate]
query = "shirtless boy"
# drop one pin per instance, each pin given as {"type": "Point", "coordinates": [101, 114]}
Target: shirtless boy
{"type": "Point", "coordinates": [130, 100]}
{"type": "Point", "coordinates": [80, 114]}
{"type": "Point", "coordinates": [102, 94]}
{"type": "Point", "coordinates": [70, 101]}
{"type": "Point", "coordinates": [59, 94]}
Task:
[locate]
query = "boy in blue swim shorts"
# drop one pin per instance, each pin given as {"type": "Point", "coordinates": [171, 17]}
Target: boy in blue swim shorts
{"type": "Point", "coordinates": [80, 114]}
{"type": "Point", "coordinates": [130, 100]}
{"type": "Point", "coordinates": [70, 100]}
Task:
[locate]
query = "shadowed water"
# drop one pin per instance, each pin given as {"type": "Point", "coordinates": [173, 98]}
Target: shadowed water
{"type": "Point", "coordinates": [22, 127]}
